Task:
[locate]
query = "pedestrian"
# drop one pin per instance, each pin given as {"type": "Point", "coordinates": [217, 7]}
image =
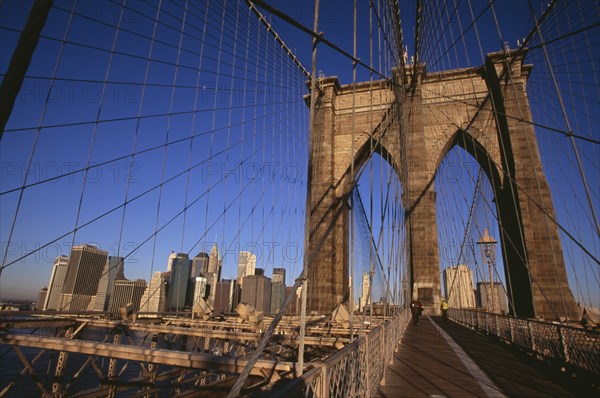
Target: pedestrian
{"type": "Point", "coordinates": [416, 308]}
{"type": "Point", "coordinates": [444, 308]}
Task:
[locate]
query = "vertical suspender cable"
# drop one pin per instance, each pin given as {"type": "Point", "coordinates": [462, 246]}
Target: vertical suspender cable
{"type": "Point", "coordinates": [352, 155]}
{"type": "Point", "coordinates": [567, 124]}
{"type": "Point", "coordinates": [313, 103]}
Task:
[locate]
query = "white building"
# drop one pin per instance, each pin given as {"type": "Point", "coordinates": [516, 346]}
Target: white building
{"type": "Point", "coordinates": [55, 285]}
{"type": "Point", "coordinates": [459, 287]}
{"type": "Point", "coordinates": [246, 266]}
{"type": "Point", "coordinates": [113, 270]}
{"type": "Point", "coordinates": [365, 299]}
{"type": "Point", "coordinates": [154, 298]}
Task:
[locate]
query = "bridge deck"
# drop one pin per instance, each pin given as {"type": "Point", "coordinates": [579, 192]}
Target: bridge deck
{"type": "Point", "coordinates": [429, 364]}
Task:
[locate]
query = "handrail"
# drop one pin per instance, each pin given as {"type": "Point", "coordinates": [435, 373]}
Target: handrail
{"type": "Point", "coordinates": [357, 370]}
{"type": "Point", "coordinates": [568, 346]}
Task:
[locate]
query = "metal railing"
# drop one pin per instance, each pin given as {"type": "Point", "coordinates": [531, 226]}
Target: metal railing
{"type": "Point", "coordinates": [357, 370]}
{"type": "Point", "coordinates": [569, 346]}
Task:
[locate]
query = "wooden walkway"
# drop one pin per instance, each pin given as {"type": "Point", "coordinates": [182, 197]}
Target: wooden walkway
{"type": "Point", "coordinates": [430, 363]}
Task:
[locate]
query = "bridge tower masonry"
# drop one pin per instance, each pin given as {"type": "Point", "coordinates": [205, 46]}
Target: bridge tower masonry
{"type": "Point", "coordinates": [413, 125]}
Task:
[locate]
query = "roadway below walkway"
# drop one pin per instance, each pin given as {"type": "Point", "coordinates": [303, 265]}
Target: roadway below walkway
{"type": "Point", "coordinates": [442, 359]}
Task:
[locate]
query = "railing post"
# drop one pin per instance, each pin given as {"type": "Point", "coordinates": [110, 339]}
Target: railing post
{"type": "Point", "coordinates": [383, 354]}
{"type": "Point", "coordinates": [485, 323]}
{"type": "Point", "coordinates": [531, 339]}
{"type": "Point", "coordinates": [367, 366]}
{"type": "Point", "coordinates": [323, 391]}
{"type": "Point", "coordinates": [510, 330]}
{"type": "Point", "coordinates": [563, 345]}
{"type": "Point", "coordinates": [496, 324]}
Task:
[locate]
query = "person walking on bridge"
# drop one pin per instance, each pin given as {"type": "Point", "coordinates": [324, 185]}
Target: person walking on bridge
{"type": "Point", "coordinates": [444, 308]}
{"type": "Point", "coordinates": [416, 308]}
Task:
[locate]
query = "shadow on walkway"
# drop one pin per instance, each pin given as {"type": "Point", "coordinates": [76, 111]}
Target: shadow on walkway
{"type": "Point", "coordinates": [516, 373]}
{"type": "Point", "coordinates": [427, 366]}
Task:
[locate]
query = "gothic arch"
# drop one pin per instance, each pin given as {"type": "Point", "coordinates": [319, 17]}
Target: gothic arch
{"type": "Point", "coordinates": [480, 109]}
{"type": "Point", "coordinates": [476, 149]}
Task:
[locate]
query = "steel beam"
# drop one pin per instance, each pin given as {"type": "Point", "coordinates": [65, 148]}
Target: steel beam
{"type": "Point", "coordinates": [162, 357]}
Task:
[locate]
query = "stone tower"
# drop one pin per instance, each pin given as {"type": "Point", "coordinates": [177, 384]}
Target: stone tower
{"type": "Point", "coordinates": [413, 125]}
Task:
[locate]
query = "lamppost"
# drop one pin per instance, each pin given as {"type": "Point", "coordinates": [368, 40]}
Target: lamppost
{"type": "Point", "coordinates": [487, 244]}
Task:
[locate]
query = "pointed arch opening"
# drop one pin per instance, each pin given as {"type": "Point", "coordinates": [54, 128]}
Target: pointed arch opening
{"type": "Point", "coordinates": [472, 238]}
{"type": "Point", "coordinates": [377, 261]}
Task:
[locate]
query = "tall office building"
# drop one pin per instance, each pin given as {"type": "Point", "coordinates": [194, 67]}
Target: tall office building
{"type": "Point", "coordinates": [278, 275]}
{"type": "Point", "coordinates": [214, 262]}
{"type": "Point", "coordinates": [196, 289]}
{"type": "Point", "coordinates": [277, 296]}
{"type": "Point", "coordinates": [277, 289]}
{"type": "Point", "coordinates": [113, 270]}
{"type": "Point", "coordinates": [364, 299]}
{"type": "Point", "coordinates": [126, 292]}
{"type": "Point", "coordinates": [257, 292]}
{"type": "Point", "coordinates": [56, 283]}
{"type": "Point", "coordinates": [86, 263]}
{"type": "Point", "coordinates": [246, 267]}
{"type": "Point", "coordinates": [213, 275]}
{"type": "Point", "coordinates": [155, 296]}
{"type": "Point", "coordinates": [41, 298]}
{"type": "Point", "coordinates": [295, 304]}
{"type": "Point", "coordinates": [224, 296]}
{"type": "Point", "coordinates": [172, 257]}
{"type": "Point", "coordinates": [458, 285]}
{"type": "Point", "coordinates": [487, 296]}
{"type": "Point", "coordinates": [178, 282]}
{"type": "Point", "coordinates": [199, 265]}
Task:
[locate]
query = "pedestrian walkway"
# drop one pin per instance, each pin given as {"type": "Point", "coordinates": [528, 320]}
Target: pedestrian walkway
{"type": "Point", "coordinates": [430, 363]}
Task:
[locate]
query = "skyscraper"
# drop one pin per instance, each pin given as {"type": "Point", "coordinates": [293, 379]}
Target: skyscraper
{"type": "Point", "coordinates": [199, 265]}
{"type": "Point", "coordinates": [458, 285]}
{"type": "Point", "coordinates": [364, 299]}
{"type": "Point", "coordinates": [492, 301]}
{"type": "Point", "coordinates": [277, 289]}
{"type": "Point", "coordinates": [196, 289]}
{"type": "Point", "coordinates": [41, 298]}
{"type": "Point", "coordinates": [178, 282]}
{"type": "Point", "coordinates": [172, 257]}
{"type": "Point", "coordinates": [213, 275]}
{"type": "Point", "coordinates": [224, 296]}
{"type": "Point", "coordinates": [246, 266]}
{"type": "Point", "coordinates": [155, 295]}
{"type": "Point", "coordinates": [295, 304]}
{"type": "Point", "coordinates": [126, 292]}
{"type": "Point", "coordinates": [86, 263]}
{"type": "Point", "coordinates": [214, 263]}
{"type": "Point", "coordinates": [56, 283]}
{"type": "Point", "coordinates": [277, 296]}
{"type": "Point", "coordinates": [113, 270]}
{"type": "Point", "coordinates": [257, 292]}
{"type": "Point", "coordinates": [278, 275]}
{"type": "Point", "coordinates": [198, 274]}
